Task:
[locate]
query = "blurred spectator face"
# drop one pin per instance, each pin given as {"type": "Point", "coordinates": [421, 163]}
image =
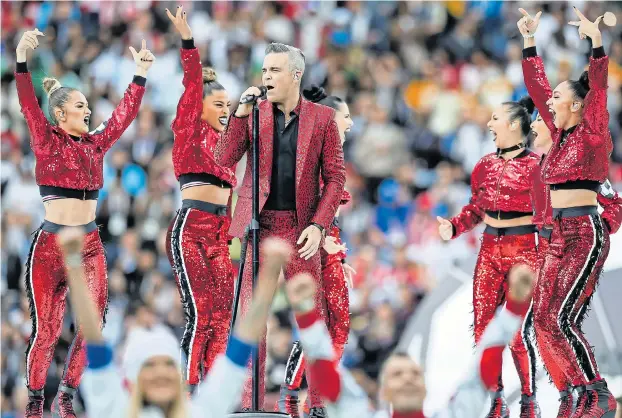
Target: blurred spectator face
{"type": "Point", "coordinates": [541, 135]}
{"type": "Point", "coordinates": [279, 79]}
{"type": "Point", "coordinates": [402, 384]}
{"type": "Point", "coordinates": [502, 128]}
{"type": "Point", "coordinates": [563, 104]}
{"type": "Point", "coordinates": [216, 109]}
{"type": "Point", "coordinates": [159, 380]}
{"type": "Point", "coordinates": [73, 115]}
{"type": "Point", "coordinates": [343, 119]}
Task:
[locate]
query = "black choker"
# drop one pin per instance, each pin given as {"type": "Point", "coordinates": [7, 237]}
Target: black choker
{"type": "Point", "coordinates": [501, 151]}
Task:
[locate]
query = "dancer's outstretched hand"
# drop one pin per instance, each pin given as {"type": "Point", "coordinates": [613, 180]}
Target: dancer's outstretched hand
{"type": "Point", "coordinates": [28, 41]}
{"type": "Point", "coordinates": [301, 292]}
{"type": "Point", "coordinates": [331, 246]}
{"type": "Point", "coordinates": [586, 27]}
{"type": "Point", "coordinates": [445, 228]}
{"type": "Point", "coordinates": [180, 21]}
{"type": "Point", "coordinates": [521, 281]}
{"type": "Point", "coordinates": [144, 59]}
{"type": "Point", "coordinates": [349, 273]}
{"type": "Point", "coordinates": [528, 25]}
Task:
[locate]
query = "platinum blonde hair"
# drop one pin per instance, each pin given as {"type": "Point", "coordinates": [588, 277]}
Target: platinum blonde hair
{"type": "Point", "coordinates": [295, 55]}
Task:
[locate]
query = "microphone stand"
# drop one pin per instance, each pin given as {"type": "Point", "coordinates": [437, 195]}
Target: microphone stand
{"type": "Point", "coordinates": [252, 231]}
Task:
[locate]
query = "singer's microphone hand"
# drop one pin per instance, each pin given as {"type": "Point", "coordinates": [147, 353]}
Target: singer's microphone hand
{"type": "Point", "coordinates": [244, 109]}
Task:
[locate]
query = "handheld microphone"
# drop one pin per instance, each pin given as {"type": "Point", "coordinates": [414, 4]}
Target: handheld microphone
{"type": "Point", "coordinates": [251, 98]}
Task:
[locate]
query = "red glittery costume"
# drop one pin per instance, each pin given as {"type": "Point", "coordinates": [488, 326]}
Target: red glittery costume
{"type": "Point", "coordinates": [501, 188]}
{"type": "Point", "coordinates": [318, 150]}
{"type": "Point", "coordinates": [580, 239]}
{"type": "Point", "coordinates": [337, 319]}
{"type": "Point", "coordinates": [197, 238]}
{"type": "Point", "coordinates": [64, 162]}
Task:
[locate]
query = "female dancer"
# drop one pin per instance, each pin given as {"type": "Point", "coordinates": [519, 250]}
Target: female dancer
{"type": "Point", "coordinates": [500, 187]}
{"type": "Point", "coordinates": [335, 275]}
{"type": "Point", "coordinates": [69, 174]}
{"type": "Point", "coordinates": [611, 203]}
{"type": "Point", "coordinates": [578, 162]}
{"type": "Point", "coordinates": [197, 237]}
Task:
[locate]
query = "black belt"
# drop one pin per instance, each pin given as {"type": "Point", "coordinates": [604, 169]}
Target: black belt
{"type": "Point", "coordinates": [559, 213]}
{"type": "Point", "coordinates": [220, 210]}
{"type": "Point", "coordinates": [545, 233]}
{"type": "Point", "coordinates": [53, 228]}
{"type": "Point", "coordinates": [512, 230]}
{"type": "Point", "coordinates": [505, 215]}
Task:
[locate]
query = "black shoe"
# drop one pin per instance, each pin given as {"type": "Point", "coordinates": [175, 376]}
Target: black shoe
{"type": "Point", "coordinates": [316, 412]}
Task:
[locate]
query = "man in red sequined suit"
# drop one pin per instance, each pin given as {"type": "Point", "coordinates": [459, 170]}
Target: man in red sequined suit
{"type": "Point", "coordinates": [298, 140]}
{"type": "Point", "coordinates": [69, 173]}
{"type": "Point", "coordinates": [197, 237]}
{"type": "Point", "coordinates": [574, 169]}
{"type": "Point", "coordinates": [500, 187]}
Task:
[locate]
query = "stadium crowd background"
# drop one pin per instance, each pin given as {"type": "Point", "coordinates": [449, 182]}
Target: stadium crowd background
{"type": "Point", "coordinates": [420, 78]}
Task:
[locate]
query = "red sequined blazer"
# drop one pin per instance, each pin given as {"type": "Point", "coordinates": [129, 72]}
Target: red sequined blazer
{"type": "Point", "coordinates": [584, 153]}
{"type": "Point", "coordinates": [318, 150]}
{"type": "Point", "coordinates": [62, 161]}
{"type": "Point", "coordinates": [195, 139]}
{"type": "Point", "coordinates": [497, 186]}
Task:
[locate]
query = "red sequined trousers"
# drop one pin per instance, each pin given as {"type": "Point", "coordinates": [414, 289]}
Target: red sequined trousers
{"type": "Point", "coordinates": [198, 252]}
{"type": "Point", "coordinates": [281, 224]}
{"type": "Point", "coordinates": [337, 305]}
{"type": "Point", "coordinates": [578, 249]}
{"type": "Point", "coordinates": [497, 256]}
{"type": "Point", "coordinates": [46, 288]}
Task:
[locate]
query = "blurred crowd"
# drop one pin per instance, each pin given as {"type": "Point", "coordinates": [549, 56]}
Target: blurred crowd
{"type": "Point", "coordinates": [420, 78]}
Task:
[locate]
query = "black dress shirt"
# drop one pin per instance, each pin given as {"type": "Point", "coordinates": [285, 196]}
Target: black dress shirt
{"type": "Point", "coordinates": [283, 181]}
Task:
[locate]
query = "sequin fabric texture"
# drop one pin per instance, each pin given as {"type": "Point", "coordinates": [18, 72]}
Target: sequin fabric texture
{"type": "Point", "coordinates": [584, 153]}
{"type": "Point", "coordinates": [197, 249]}
{"type": "Point", "coordinates": [195, 139]}
{"type": "Point", "coordinates": [46, 289]}
{"type": "Point", "coordinates": [567, 281]}
{"type": "Point", "coordinates": [498, 185]}
{"type": "Point", "coordinates": [63, 161]}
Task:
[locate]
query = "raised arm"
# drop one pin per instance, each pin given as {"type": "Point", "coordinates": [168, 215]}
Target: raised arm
{"type": "Point", "coordinates": [38, 125]}
{"type": "Point", "coordinates": [595, 115]}
{"type": "Point", "coordinates": [101, 386]}
{"type": "Point", "coordinates": [333, 175]}
{"type": "Point", "coordinates": [611, 202]}
{"type": "Point", "coordinates": [472, 214]}
{"type": "Point", "coordinates": [190, 104]}
{"type": "Point", "coordinates": [126, 111]}
{"type": "Point", "coordinates": [222, 389]}
{"type": "Point", "coordinates": [537, 84]}
{"type": "Point", "coordinates": [474, 392]}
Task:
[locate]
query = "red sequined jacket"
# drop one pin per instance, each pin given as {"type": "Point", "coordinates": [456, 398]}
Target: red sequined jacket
{"type": "Point", "coordinates": [195, 139]}
{"type": "Point", "coordinates": [582, 154]}
{"type": "Point", "coordinates": [498, 185]}
{"type": "Point", "coordinates": [62, 161]}
{"type": "Point", "coordinates": [608, 199]}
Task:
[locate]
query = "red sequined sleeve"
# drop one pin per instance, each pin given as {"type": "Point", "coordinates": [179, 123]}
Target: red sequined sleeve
{"type": "Point", "coordinates": [126, 111]}
{"type": "Point", "coordinates": [333, 174]}
{"type": "Point", "coordinates": [471, 214]}
{"type": "Point", "coordinates": [38, 125]}
{"type": "Point", "coordinates": [538, 85]}
{"type": "Point", "coordinates": [611, 202]}
{"type": "Point", "coordinates": [186, 122]}
{"type": "Point", "coordinates": [596, 116]}
{"type": "Point", "coordinates": [233, 142]}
